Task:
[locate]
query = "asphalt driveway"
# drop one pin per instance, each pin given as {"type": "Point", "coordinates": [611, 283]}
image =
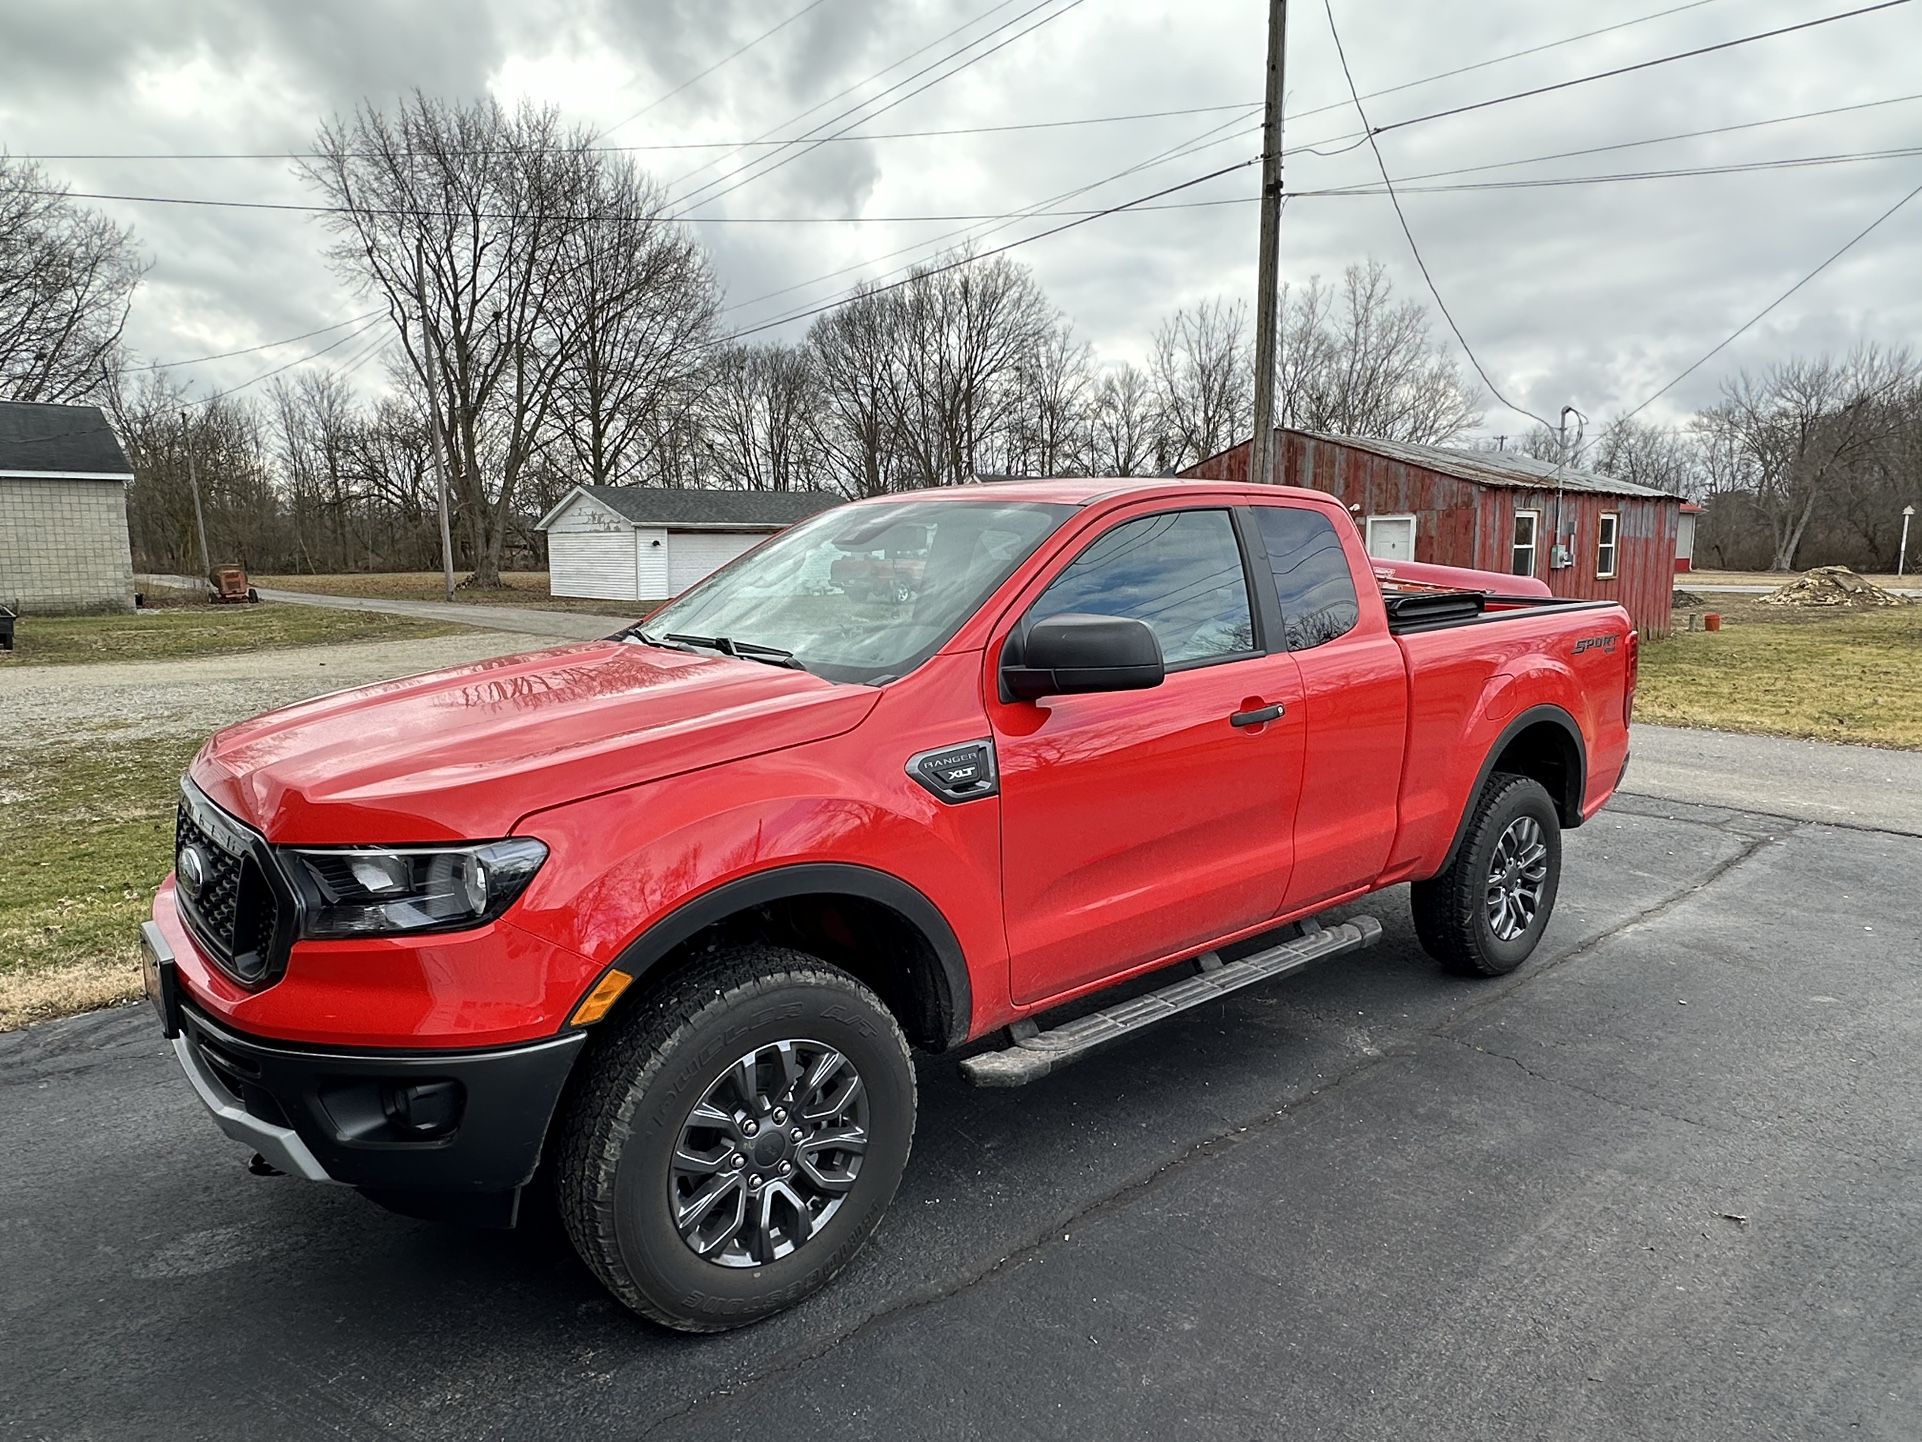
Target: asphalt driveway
{"type": "Point", "coordinates": [1660, 1183]}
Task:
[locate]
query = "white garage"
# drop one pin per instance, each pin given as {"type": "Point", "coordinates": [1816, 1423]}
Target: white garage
{"type": "Point", "coordinates": [646, 543]}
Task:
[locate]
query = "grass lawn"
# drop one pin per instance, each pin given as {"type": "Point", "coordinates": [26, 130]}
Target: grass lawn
{"type": "Point", "coordinates": [1823, 674]}
{"type": "Point", "coordinates": [86, 833]}
{"type": "Point", "coordinates": [521, 588]}
{"type": "Point", "coordinates": [201, 631]}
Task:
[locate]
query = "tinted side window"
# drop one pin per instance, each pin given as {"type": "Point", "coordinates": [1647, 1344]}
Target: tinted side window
{"type": "Point", "coordinates": [1179, 571]}
{"type": "Point", "coordinates": [1317, 588]}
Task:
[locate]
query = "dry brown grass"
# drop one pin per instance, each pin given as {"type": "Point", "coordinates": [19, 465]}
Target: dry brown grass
{"type": "Point", "coordinates": [521, 588]}
{"type": "Point", "coordinates": [1822, 673]}
{"type": "Point", "coordinates": [68, 987]}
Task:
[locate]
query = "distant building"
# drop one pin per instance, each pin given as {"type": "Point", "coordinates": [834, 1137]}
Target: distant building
{"type": "Point", "coordinates": [1685, 537]}
{"type": "Point", "coordinates": [643, 543]}
{"type": "Point", "coordinates": [1587, 535]}
{"type": "Point", "coordinates": [63, 510]}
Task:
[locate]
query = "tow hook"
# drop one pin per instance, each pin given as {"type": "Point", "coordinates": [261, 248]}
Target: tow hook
{"type": "Point", "coordinates": [261, 1167]}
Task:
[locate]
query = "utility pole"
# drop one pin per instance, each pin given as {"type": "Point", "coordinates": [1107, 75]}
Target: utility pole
{"type": "Point", "coordinates": [193, 484]}
{"type": "Point", "coordinates": [433, 423]}
{"type": "Point", "coordinates": [1261, 458]}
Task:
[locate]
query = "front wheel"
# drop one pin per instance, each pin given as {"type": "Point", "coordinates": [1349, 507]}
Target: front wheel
{"type": "Point", "coordinates": [736, 1141]}
{"type": "Point", "coordinates": [1484, 914]}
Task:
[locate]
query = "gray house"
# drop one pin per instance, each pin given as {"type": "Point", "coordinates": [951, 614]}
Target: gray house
{"type": "Point", "coordinates": [63, 510]}
{"type": "Point", "coordinates": [643, 543]}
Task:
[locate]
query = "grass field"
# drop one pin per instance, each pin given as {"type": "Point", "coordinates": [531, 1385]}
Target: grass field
{"type": "Point", "coordinates": [1826, 675]}
{"type": "Point", "coordinates": [87, 834]}
{"type": "Point", "coordinates": [201, 631]}
{"type": "Point", "coordinates": [522, 588]}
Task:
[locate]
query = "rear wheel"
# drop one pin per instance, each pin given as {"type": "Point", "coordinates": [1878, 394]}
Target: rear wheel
{"type": "Point", "coordinates": [1486, 912]}
{"type": "Point", "coordinates": [737, 1140]}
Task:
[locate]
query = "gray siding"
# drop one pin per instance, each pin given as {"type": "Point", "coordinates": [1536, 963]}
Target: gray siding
{"type": "Point", "coordinates": [63, 545]}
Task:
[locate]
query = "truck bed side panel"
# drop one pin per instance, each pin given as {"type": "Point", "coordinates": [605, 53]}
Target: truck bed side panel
{"type": "Point", "coordinates": [1467, 683]}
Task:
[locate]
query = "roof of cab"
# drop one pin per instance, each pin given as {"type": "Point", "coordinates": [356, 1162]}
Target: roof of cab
{"type": "Point", "coordinates": [1082, 490]}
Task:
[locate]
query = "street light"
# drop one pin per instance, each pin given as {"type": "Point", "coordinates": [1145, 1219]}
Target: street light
{"type": "Point", "coordinates": [1902, 557]}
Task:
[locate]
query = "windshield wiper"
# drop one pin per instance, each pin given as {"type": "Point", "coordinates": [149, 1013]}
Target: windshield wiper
{"type": "Point", "coordinates": [739, 650]}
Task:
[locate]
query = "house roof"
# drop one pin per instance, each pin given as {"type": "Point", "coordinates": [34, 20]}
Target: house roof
{"type": "Point", "coordinates": [1508, 469]}
{"type": "Point", "coordinates": [714, 510]}
{"type": "Point", "coordinates": [59, 441]}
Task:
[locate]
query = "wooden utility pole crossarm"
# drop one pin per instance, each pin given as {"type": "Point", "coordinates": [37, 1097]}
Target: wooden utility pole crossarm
{"type": "Point", "coordinates": [1261, 458]}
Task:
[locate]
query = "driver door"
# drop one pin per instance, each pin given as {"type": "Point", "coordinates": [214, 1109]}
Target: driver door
{"type": "Point", "coordinates": [1140, 824]}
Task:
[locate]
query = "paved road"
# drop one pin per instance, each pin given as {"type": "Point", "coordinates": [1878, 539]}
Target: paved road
{"type": "Point", "coordinates": [1370, 1202]}
{"type": "Point", "coordinates": [1808, 780]}
{"type": "Point", "coordinates": [546, 621]}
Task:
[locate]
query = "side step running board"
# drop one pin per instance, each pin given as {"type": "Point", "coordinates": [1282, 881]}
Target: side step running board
{"type": "Point", "coordinates": [1036, 1053]}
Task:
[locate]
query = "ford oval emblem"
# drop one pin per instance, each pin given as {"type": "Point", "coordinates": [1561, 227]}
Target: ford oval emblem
{"type": "Point", "coordinates": [191, 867]}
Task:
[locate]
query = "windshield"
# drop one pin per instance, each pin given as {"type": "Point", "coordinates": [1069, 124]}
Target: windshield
{"type": "Point", "coordinates": [864, 593]}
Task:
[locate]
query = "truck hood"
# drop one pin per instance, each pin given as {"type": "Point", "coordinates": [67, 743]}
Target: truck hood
{"type": "Point", "coordinates": [465, 753]}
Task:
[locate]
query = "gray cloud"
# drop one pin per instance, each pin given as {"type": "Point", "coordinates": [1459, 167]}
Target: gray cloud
{"type": "Point", "coordinates": [1592, 294]}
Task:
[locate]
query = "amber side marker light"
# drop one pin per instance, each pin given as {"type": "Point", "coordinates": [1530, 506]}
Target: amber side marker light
{"type": "Point", "coordinates": [606, 992]}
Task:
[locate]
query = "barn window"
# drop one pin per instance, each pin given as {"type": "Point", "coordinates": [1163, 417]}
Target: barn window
{"type": "Point", "coordinates": [1521, 554]}
{"type": "Point", "coordinates": [1605, 545]}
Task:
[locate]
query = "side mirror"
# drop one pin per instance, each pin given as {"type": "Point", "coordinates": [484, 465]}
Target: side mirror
{"type": "Point", "coordinates": [1066, 655]}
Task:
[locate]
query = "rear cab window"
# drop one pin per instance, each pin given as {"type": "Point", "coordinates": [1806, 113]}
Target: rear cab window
{"type": "Point", "coordinates": [1313, 580]}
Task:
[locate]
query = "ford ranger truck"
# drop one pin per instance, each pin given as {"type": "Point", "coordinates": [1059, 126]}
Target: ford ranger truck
{"type": "Point", "coordinates": [656, 922]}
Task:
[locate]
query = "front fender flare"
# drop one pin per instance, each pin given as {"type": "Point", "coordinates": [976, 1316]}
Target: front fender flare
{"type": "Point", "coordinates": [817, 878]}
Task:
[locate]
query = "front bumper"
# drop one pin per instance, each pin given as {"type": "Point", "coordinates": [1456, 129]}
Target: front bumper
{"type": "Point", "coordinates": [391, 1123]}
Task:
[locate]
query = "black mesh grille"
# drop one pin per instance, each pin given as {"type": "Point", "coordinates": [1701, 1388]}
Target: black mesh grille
{"type": "Point", "coordinates": [235, 913]}
{"type": "Point", "coordinates": [212, 912]}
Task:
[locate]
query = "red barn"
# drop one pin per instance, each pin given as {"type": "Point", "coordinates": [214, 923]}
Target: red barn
{"type": "Point", "coordinates": [1586, 535]}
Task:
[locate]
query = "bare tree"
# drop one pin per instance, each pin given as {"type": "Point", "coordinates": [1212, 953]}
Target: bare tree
{"type": "Point", "coordinates": [635, 294]}
{"type": "Point", "coordinates": [1203, 380]}
{"type": "Point", "coordinates": [760, 418]}
{"type": "Point", "coordinates": [1646, 455]}
{"type": "Point", "coordinates": [67, 278]}
{"type": "Point", "coordinates": [1798, 436]}
{"type": "Point", "coordinates": [471, 222]}
{"type": "Point", "coordinates": [1126, 426]}
{"type": "Point", "coordinates": [1048, 429]}
{"type": "Point", "coordinates": [1355, 361]}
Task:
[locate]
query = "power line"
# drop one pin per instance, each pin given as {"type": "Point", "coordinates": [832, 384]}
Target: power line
{"type": "Point", "coordinates": [1743, 167]}
{"type": "Point", "coordinates": [301, 361]}
{"type": "Point", "coordinates": [935, 245]}
{"type": "Point", "coordinates": [946, 132]}
{"type": "Point", "coordinates": [1422, 265]}
{"type": "Point", "coordinates": [248, 350]}
{"type": "Point", "coordinates": [724, 60]}
{"type": "Point", "coordinates": [960, 261]}
{"type": "Point", "coordinates": [1753, 320]}
{"type": "Point", "coordinates": [844, 91]}
{"type": "Point", "coordinates": [689, 200]}
{"type": "Point", "coordinates": [1629, 69]}
{"type": "Point", "coordinates": [1650, 140]}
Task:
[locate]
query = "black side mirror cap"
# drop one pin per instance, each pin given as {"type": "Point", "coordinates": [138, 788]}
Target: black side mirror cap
{"type": "Point", "coordinates": [1075, 654]}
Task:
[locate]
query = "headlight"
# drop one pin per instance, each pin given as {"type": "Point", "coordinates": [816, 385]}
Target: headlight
{"type": "Point", "coordinates": [379, 890]}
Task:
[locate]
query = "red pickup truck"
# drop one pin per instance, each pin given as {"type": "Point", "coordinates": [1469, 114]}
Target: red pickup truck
{"type": "Point", "coordinates": [657, 919]}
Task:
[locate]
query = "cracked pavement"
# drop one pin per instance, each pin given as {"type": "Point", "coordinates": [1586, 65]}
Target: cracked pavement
{"type": "Point", "coordinates": [1662, 1182]}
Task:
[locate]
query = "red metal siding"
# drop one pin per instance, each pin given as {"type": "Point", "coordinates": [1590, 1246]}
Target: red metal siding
{"type": "Point", "coordinates": [1461, 523]}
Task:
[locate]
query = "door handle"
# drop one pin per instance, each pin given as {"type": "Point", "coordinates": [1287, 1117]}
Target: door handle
{"type": "Point", "coordinates": [1259, 716]}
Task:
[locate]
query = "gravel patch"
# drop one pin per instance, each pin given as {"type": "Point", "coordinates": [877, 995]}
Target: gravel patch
{"type": "Point", "coordinates": [41, 704]}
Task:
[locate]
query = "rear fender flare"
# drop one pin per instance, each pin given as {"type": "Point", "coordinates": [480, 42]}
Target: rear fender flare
{"type": "Point", "coordinates": [1568, 806]}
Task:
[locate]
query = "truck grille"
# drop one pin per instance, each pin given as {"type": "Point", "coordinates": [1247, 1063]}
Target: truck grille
{"type": "Point", "coordinates": [224, 892]}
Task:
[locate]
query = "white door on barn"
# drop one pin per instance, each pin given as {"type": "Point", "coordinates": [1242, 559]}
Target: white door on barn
{"type": "Point", "coordinates": [695, 555]}
{"type": "Point", "coordinates": [1391, 538]}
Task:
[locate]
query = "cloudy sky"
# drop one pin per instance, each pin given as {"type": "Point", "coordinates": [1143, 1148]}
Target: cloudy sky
{"type": "Point", "coordinates": [1594, 294]}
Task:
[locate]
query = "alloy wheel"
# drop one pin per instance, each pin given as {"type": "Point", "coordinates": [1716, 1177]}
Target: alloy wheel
{"type": "Point", "coordinates": [1517, 875]}
{"type": "Point", "coordinates": [769, 1153]}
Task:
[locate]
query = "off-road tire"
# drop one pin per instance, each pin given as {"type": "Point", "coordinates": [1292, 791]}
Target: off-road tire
{"type": "Point", "coordinates": [1452, 913]}
{"type": "Point", "coordinates": [643, 1078]}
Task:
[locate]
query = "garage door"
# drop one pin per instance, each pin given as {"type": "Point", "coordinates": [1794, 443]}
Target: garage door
{"type": "Point", "coordinates": [592, 563]}
{"type": "Point", "coordinates": [695, 555]}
